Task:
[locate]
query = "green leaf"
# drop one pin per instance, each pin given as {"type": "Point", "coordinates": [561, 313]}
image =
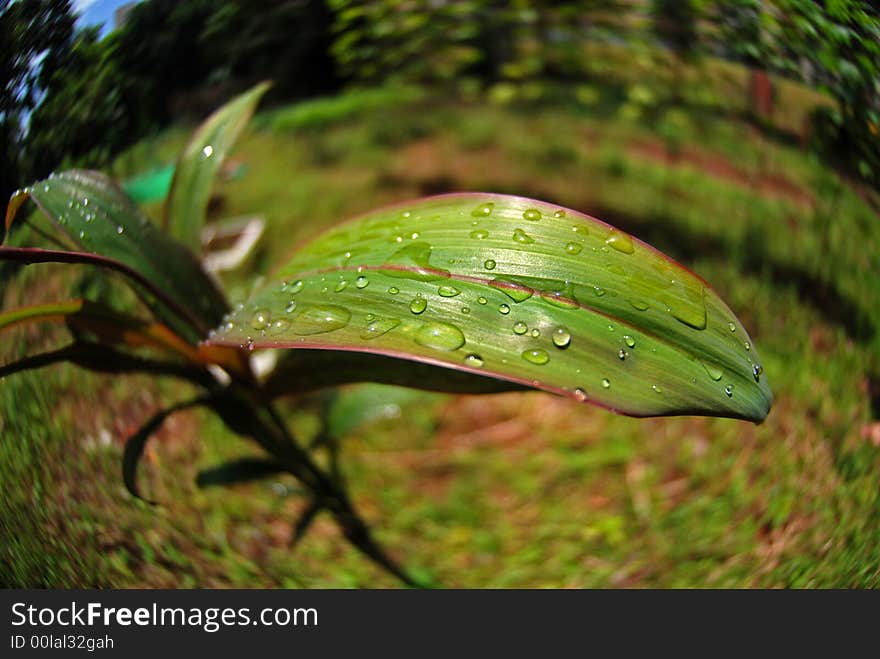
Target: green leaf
{"type": "Point", "coordinates": [515, 289]}
{"type": "Point", "coordinates": [199, 163]}
{"type": "Point", "coordinates": [365, 404]}
{"type": "Point", "coordinates": [99, 217]}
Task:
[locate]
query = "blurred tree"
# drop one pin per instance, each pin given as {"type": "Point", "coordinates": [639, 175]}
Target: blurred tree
{"type": "Point", "coordinates": [675, 24]}
{"type": "Point", "coordinates": [835, 45]}
{"type": "Point", "coordinates": [432, 42]}
{"type": "Point", "coordinates": [83, 114]}
{"type": "Point", "coordinates": [35, 37]}
{"type": "Point", "coordinates": [740, 38]}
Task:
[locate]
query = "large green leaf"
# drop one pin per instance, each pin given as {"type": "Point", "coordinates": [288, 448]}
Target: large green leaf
{"type": "Point", "coordinates": [198, 165]}
{"type": "Point", "coordinates": [520, 290]}
{"type": "Point", "coordinates": [100, 218]}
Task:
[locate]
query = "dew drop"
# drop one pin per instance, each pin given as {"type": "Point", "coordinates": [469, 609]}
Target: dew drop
{"type": "Point", "coordinates": [731, 326]}
{"type": "Point", "coordinates": [394, 290]}
{"type": "Point", "coordinates": [479, 234]}
{"type": "Point", "coordinates": [511, 289]}
{"type": "Point", "coordinates": [473, 359]}
{"type": "Point", "coordinates": [639, 305]}
{"type": "Point", "coordinates": [465, 310]}
{"type": "Point", "coordinates": [260, 320]}
{"type": "Point", "coordinates": [378, 327]}
{"type": "Point", "coordinates": [629, 341]}
{"type": "Point", "coordinates": [536, 356]}
{"type": "Point", "coordinates": [440, 336]}
{"type": "Point", "coordinates": [341, 286]}
{"type": "Point", "coordinates": [532, 214]}
{"type": "Point", "coordinates": [559, 214]}
{"type": "Point", "coordinates": [414, 235]}
{"type": "Point", "coordinates": [290, 306]}
{"type": "Point", "coordinates": [120, 229]}
{"type": "Point", "coordinates": [757, 370]}
{"type": "Point", "coordinates": [656, 389]}
{"type": "Point", "coordinates": [522, 237]}
{"type": "Point", "coordinates": [483, 210]}
{"type": "Point", "coordinates": [622, 354]}
{"type": "Point", "coordinates": [620, 241]}
{"type": "Point", "coordinates": [361, 282]}
{"type": "Point", "coordinates": [207, 152]}
{"type": "Point", "coordinates": [296, 287]}
{"type": "Point", "coordinates": [489, 264]}
{"type": "Point", "coordinates": [82, 234]}
{"type": "Point", "coordinates": [320, 318]}
{"type": "Point", "coordinates": [573, 248]}
{"type": "Point", "coordinates": [503, 309]}
{"type": "Point", "coordinates": [606, 383]}
{"type": "Point", "coordinates": [535, 333]}
{"type": "Point", "coordinates": [482, 300]}
{"type": "Point", "coordinates": [714, 372]}
{"type": "Point", "coordinates": [599, 291]}
{"type": "Point", "coordinates": [520, 328]}
{"type": "Point", "coordinates": [370, 317]}
{"type": "Point", "coordinates": [418, 305]}
{"type": "Point", "coordinates": [729, 390]}
{"type": "Point", "coordinates": [561, 337]}
{"type": "Point", "coordinates": [579, 393]}
{"type": "Point", "coordinates": [279, 326]}
{"type": "Point", "coordinates": [448, 291]}
{"type": "Point", "coordinates": [747, 345]}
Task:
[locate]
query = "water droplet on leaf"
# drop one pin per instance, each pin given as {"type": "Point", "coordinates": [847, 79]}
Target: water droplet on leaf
{"type": "Point", "coordinates": [561, 337]}
{"type": "Point", "coordinates": [418, 305]}
{"type": "Point", "coordinates": [448, 291]}
{"type": "Point", "coordinates": [378, 327]}
{"type": "Point", "coordinates": [536, 356]}
{"type": "Point", "coordinates": [620, 241]}
{"type": "Point", "coordinates": [440, 336]}
{"type": "Point", "coordinates": [483, 210]}
{"type": "Point", "coordinates": [522, 237]}
{"type": "Point", "coordinates": [320, 318]}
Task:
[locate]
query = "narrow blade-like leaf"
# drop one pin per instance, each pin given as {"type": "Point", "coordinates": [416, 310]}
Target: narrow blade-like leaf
{"type": "Point", "coordinates": [241, 470]}
{"type": "Point", "coordinates": [199, 163]}
{"type": "Point", "coordinates": [520, 290]}
{"type": "Point", "coordinates": [100, 218]}
{"type": "Point", "coordinates": [106, 324]}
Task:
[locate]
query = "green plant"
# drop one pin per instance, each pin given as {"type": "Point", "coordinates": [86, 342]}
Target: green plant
{"type": "Point", "coordinates": [461, 292]}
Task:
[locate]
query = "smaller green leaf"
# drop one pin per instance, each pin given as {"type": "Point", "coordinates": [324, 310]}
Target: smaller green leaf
{"type": "Point", "coordinates": [366, 403]}
{"type": "Point", "coordinates": [96, 214]}
{"type": "Point", "coordinates": [241, 470]}
{"type": "Point", "coordinates": [187, 203]}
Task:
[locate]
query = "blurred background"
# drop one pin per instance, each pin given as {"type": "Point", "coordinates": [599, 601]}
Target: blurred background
{"type": "Point", "coordinates": [741, 137]}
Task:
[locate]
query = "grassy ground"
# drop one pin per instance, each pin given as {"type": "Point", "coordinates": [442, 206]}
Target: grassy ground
{"type": "Point", "coordinates": [519, 489]}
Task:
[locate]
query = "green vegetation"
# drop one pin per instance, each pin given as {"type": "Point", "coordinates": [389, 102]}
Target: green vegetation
{"type": "Point", "coordinates": [516, 488]}
{"type": "Point", "coordinates": [740, 137]}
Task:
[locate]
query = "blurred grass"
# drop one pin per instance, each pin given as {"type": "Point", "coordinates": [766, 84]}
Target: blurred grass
{"type": "Point", "coordinates": [514, 489]}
